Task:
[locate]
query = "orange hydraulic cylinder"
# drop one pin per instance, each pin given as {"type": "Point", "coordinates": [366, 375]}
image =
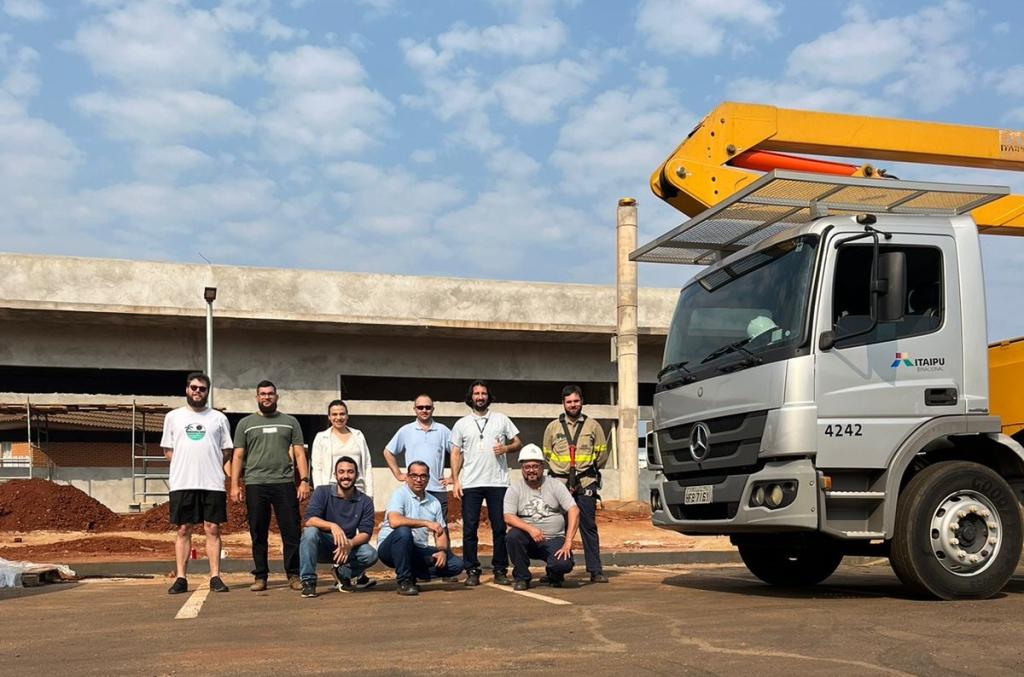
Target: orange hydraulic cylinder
{"type": "Point", "coordinates": [765, 161]}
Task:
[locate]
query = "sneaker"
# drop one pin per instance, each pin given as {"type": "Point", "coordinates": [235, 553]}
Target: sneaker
{"type": "Point", "coordinates": [295, 583]}
{"type": "Point", "coordinates": [259, 585]}
{"type": "Point", "coordinates": [473, 578]}
{"type": "Point", "coordinates": [407, 589]}
{"type": "Point", "coordinates": [364, 582]}
{"type": "Point", "coordinates": [521, 584]}
{"type": "Point", "coordinates": [217, 585]}
{"type": "Point", "coordinates": [598, 577]}
{"type": "Point", "coordinates": [344, 584]}
{"type": "Point", "coordinates": [179, 586]}
{"type": "Point", "coordinates": [545, 580]}
{"type": "Point", "coordinates": [555, 581]}
{"type": "Point", "coordinates": [501, 578]}
{"type": "Point", "coordinates": [308, 588]}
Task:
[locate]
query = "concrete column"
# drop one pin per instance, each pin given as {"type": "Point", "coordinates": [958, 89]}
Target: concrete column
{"type": "Point", "coordinates": [626, 332]}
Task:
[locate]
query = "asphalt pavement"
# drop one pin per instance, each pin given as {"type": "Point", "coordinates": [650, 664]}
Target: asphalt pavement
{"type": "Point", "coordinates": [708, 619]}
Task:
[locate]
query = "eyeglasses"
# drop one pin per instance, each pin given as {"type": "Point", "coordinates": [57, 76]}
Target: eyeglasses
{"type": "Point", "coordinates": [424, 408]}
{"type": "Point", "coordinates": [198, 389]}
{"type": "Point", "coordinates": [418, 477]}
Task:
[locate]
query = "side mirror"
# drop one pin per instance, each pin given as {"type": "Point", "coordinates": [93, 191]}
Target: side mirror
{"type": "Point", "coordinates": [826, 341]}
{"type": "Point", "coordinates": [892, 274]}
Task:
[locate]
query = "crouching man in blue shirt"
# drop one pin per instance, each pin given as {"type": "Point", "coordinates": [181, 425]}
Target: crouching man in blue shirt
{"type": "Point", "coordinates": [411, 516]}
{"type": "Point", "coordinates": [339, 522]}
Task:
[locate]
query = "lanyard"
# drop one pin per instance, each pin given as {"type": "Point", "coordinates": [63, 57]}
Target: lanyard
{"type": "Point", "coordinates": [571, 440]}
{"type": "Point", "coordinates": [481, 428]}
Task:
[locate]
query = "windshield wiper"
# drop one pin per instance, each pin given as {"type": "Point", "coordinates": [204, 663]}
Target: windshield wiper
{"type": "Point", "coordinates": [678, 366]}
{"type": "Point", "coordinates": [731, 348]}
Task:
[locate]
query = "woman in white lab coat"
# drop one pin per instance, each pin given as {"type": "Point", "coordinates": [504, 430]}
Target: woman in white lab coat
{"type": "Point", "coordinates": [337, 441]}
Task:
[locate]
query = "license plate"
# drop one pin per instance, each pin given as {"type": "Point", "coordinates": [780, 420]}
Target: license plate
{"type": "Point", "coordinates": [698, 495]}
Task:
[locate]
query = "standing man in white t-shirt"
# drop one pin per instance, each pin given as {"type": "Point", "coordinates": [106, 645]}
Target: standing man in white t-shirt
{"type": "Point", "coordinates": [480, 442]}
{"type": "Point", "coordinates": [197, 442]}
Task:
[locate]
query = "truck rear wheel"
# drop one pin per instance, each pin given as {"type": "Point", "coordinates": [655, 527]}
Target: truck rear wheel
{"type": "Point", "coordinates": [789, 565]}
{"type": "Point", "coordinates": [958, 532]}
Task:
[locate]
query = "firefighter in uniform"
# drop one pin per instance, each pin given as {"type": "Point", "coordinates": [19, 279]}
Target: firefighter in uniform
{"type": "Point", "coordinates": [576, 450]}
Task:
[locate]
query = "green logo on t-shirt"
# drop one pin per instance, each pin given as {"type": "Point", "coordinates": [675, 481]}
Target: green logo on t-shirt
{"type": "Point", "coordinates": [195, 431]}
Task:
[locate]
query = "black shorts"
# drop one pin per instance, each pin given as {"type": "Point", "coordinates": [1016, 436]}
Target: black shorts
{"type": "Point", "coordinates": [193, 506]}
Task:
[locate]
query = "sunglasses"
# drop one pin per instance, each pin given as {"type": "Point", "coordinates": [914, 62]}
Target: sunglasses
{"type": "Point", "coordinates": [198, 389]}
{"type": "Point", "coordinates": [424, 408]}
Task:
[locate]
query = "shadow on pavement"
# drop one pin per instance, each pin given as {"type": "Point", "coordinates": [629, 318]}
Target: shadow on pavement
{"type": "Point", "coordinates": [20, 593]}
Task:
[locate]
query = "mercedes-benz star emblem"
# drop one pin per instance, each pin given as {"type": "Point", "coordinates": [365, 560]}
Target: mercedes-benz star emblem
{"type": "Point", "coordinates": [700, 441]}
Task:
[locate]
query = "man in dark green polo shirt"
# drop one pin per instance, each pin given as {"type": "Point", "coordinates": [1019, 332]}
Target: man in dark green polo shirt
{"type": "Point", "coordinates": [268, 446]}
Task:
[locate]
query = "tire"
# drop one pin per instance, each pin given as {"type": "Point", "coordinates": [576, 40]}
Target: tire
{"type": "Point", "coordinates": [958, 532]}
{"type": "Point", "coordinates": [791, 566]}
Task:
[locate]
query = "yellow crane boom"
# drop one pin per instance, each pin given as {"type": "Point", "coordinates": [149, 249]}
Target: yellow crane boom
{"type": "Point", "coordinates": [706, 167]}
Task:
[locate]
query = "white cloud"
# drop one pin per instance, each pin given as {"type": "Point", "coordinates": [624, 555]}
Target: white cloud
{"type": "Point", "coordinates": [700, 27]}
{"type": "Point", "coordinates": [533, 94]}
{"type": "Point", "coordinates": [169, 162]}
{"type": "Point", "coordinates": [1009, 82]}
{"type": "Point", "coordinates": [825, 98]}
{"type": "Point", "coordinates": [165, 114]}
{"type": "Point", "coordinates": [272, 29]}
{"type": "Point", "coordinates": [919, 58]}
{"type": "Point", "coordinates": [321, 104]}
{"type": "Point", "coordinates": [610, 144]}
{"type": "Point", "coordinates": [156, 43]}
{"type": "Point", "coordinates": [29, 10]}
{"type": "Point", "coordinates": [17, 69]}
{"type": "Point", "coordinates": [521, 40]}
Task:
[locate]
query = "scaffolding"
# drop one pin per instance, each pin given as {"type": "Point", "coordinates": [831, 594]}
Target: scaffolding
{"type": "Point", "coordinates": [148, 469]}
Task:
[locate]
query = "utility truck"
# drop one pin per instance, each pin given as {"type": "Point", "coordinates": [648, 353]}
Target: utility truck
{"type": "Point", "coordinates": [827, 388]}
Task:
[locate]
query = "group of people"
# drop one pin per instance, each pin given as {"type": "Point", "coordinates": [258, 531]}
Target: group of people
{"type": "Point", "coordinates": [536, 518]}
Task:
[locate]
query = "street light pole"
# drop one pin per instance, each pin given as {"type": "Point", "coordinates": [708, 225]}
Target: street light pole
{"type": "Point", "coordinates": [210, 294]}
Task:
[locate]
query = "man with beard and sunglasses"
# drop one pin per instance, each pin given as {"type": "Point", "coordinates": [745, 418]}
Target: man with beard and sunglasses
{"type": "Point", "coordinates": [197, 442]}
{"type": "Point", "coordinates": [267, 444]}
{"type": "Point", "coordinates": [480, 443]}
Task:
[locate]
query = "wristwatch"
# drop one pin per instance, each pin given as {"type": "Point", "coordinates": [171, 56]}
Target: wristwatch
{"type": "Point", "coordinates": [306, 480]}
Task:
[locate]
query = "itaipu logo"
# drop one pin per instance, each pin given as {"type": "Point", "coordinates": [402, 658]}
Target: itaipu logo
{"type": "Point", "coordinates": [195, 431]}
{"type": "Point", "coordinates": [920, 363]}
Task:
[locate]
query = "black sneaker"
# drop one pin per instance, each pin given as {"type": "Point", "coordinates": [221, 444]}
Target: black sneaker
{"type": "Point", "coordinates": [364, 582]}
{"type": "Point", "coordinates": [308, 588]}
{"type": "Point", "coordinates": [179, 586]}
{"type": "Point", "coordinates": [217, 585]}
{"type": "Point", "coordinates": [407, 589]}
{"type": "Point", "coordinates": [472, 578]}
{"type": "Point", "coordinates": [521, 584]}
{"type": "Point", "coordinates": [598, 577]}
{"type": "Point", "coordinates": [501, 578]}
{"type": "Point", "coordinates": [555, 581]}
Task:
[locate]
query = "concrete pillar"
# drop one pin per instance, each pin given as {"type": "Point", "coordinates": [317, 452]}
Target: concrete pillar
{"type": "Point", "coordinates": [626, 333]}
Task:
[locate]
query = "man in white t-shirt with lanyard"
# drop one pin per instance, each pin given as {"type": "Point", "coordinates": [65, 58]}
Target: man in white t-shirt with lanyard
{"type": "Point", "coordinates": [480, 442]}
{"type": "Point", "coordinates": [197, 442]}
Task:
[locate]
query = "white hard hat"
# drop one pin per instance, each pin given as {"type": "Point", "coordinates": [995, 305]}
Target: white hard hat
{"type": "Point", "coordinates": [531, 452]}
{"type": "Point", "coordinates": [760, 325]}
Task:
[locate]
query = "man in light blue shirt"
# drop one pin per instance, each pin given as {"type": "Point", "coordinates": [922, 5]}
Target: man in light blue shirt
{"type": "Point", "coordinates": [403, 542]}
{"type": "Point", "coordinates": [423, 440]}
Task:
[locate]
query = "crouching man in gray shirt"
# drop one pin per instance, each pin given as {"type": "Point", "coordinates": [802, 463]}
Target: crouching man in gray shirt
{"type": "Point", "coordinates": [535, 511]}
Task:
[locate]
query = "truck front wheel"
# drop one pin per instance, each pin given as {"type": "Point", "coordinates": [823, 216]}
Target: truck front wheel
{"type": "Point", "coordinates": [958, 532]}
{"type": "Point", "coordinates": [791, 565]}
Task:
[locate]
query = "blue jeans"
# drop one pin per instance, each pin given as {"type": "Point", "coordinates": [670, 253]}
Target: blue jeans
{"type": "Point", "coordinates": [472, 500]}
{"type": "Point", "coordinates": [522, 548]}
{"type": "Point", "coordinates": [412, 561]}
{"type": "Point", "coordinates": [318, 546]}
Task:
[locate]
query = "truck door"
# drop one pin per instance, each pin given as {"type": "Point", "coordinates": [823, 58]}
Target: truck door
{"type": "Point", "coordinates": [872, 390]}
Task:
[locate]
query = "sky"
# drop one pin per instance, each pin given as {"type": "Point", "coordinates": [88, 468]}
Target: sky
{"type": "Point", "coordinates": [484, 138]}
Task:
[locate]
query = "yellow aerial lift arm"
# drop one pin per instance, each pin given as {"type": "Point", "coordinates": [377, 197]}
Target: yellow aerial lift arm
{"type": "Point", "coordinates": [712, 163]}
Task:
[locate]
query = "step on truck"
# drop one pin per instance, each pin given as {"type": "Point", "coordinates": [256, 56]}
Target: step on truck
{"type": "Point", "coordinates": [827, 388]}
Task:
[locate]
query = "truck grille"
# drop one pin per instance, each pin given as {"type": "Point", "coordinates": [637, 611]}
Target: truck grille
{"type": "Point", "coordinates": [734, 443]}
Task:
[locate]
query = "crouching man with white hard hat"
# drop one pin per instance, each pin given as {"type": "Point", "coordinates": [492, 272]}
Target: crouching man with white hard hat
{"type": "Point", "coordinates": [535, 511]}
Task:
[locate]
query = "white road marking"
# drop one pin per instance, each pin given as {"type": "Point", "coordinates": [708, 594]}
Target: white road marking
{"type": "Point", "coordinates": [533, 595]}
{"type": "Point", "coordinates": [190, 609]}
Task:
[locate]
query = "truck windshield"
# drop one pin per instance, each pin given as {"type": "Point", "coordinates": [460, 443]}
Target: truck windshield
{"type": "Point", "coordinates": [751, 311]}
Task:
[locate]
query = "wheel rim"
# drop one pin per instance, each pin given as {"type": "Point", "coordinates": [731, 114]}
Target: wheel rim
{"type": "Point", "coordinates": [966, 533]}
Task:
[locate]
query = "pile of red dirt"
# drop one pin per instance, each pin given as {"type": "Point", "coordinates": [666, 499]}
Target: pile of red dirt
{"type": "Point", "coordinates": [36, 504]}
{"type": "Point", "coordinates": [99, 546]}
{"type": "Point", "coordinates": [158, 519]}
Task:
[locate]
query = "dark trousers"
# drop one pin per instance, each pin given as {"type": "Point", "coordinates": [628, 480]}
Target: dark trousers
{"type": "Point", "coordinates": [472, 500]}
{"type": "Point", "coordinates": [442, 497]}
{"type": "Point", "coordinates": [259, 499]}
{"type": "Point", "coordinates": [522, 548]}
{"type": "Point", "coordinates": [588, 531]}
{"type": "Point", "coordinates": [412, 561]}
